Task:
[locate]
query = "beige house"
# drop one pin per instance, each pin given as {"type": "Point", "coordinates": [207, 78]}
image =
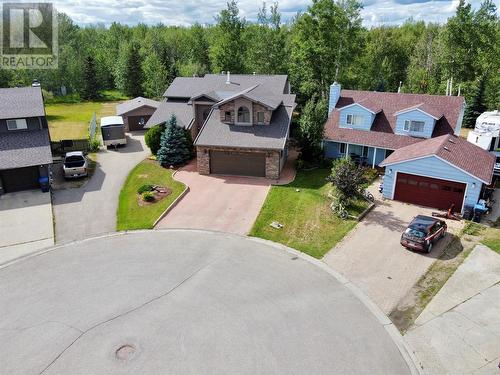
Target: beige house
{"type": "Point", "coordinates": [240, 123]}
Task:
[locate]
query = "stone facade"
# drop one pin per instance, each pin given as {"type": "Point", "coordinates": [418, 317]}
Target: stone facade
{"type": "Point", "coordinates": [267, 114]}
{"type": "Point", "coordinates": [273, 169]}
{"type": "Point", "coordinates": [227, 107]}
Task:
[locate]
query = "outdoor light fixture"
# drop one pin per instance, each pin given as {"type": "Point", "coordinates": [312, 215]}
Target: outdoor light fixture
{"type": "Point", "coordinates": [473, 185]}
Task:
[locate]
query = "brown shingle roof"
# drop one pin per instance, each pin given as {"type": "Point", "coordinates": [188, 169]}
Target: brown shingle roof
{"type": "Point", "coordinates": [455, 150]}
{"type": "Point", "coordinates": [382, 131]}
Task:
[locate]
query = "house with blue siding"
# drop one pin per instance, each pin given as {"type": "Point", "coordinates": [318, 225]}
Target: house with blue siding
{"type": "Point", "coordinates": [415, 137]}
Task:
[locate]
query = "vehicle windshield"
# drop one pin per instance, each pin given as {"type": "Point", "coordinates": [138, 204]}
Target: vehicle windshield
{"type": "Point", "coordinates": [74, 161]}
{"type": "Point", "coordinates": [413, 232]}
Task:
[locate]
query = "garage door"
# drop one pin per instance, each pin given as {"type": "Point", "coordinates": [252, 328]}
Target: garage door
{"type": "Point", "coordinates": [20, 179]}
{"type": "Point", "coordinates": [137, 122]}
{"type": "Point", "coordinates": [429, 192]}
{"type": "Point", "coordinates": [238, 163]}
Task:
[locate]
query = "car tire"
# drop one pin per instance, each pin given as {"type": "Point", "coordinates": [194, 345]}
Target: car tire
{"type": "Point", "coordinates": [429, 248]}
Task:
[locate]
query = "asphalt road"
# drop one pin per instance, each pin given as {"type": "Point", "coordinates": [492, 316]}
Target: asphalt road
{"type": "Point", "coordinates": [90, 210]}
{"type": "Point", "coordinates": [185, 302]}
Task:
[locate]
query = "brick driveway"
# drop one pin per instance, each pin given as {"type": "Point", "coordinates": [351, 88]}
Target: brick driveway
{"type": "Point", "coordinates": [372, 258]}
{"type": "Point", "coordinates": [222, 203]}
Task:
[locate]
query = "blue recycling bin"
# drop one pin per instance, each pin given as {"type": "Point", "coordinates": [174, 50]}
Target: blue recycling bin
{"type": "Point", "coordinates": [44, 184]}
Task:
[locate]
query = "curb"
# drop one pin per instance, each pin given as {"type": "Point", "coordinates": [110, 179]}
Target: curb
{"type": "Point", "coordinates": [408, 355]}
{"type": "Point", "coordinates": [172, 205]}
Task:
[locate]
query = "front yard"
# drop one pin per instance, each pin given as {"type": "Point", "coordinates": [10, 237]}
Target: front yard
{"type": "Point", "coordinates": [302, 207]}
{"type": "Point", "coordinates": [133, 215]}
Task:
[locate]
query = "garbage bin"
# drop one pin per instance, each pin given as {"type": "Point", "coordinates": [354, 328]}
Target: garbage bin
{"type": "Point", "coordinates": [44, 184]}
{"type": "Point", "coordinates": [468, 212]}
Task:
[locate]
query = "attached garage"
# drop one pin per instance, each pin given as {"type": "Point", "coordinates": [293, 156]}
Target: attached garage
{"type": "Point", "coordinates": [430, 192]}
{"type": "Point", "coordinates": [19, 179]}
{"type": "Point", "coordinates": [238, 163]}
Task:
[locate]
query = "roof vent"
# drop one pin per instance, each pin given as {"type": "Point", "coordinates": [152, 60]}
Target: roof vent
{"type": "Point", "coordinates": [451, 141]}
{"type": "Point", "coordinates": [228, 80]}
{"type": "Point", "coordinates": [446, 148]}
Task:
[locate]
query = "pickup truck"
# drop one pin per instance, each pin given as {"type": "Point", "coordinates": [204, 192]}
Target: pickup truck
{"type": "Point", "coordinates": [75, 165]}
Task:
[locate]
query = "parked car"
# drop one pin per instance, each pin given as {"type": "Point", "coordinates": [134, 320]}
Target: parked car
{"type": "Point", "coordinates": [75, 165]}
{"type": "Point", "coordinates": [423, 232]}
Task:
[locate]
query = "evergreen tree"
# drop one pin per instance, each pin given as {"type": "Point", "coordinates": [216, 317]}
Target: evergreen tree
{"type": "Point", "coordinates": [90, 88]}
{"type": "Point", "coordinates": [174, 146]}
{"type": "Point", "coordinates": [133, 72]}
{"type": "Point", "coordinates": [477, 104]}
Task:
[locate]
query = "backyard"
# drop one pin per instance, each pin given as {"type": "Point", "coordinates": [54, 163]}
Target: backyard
{"type": "Point", "coordinates": [131, 214]}
{"type": "Point", "coordinates": [302, 207]}
{"type": "Point", "coordinates": [70, 118]}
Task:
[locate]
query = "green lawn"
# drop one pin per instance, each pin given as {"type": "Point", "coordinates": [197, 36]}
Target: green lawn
{"type": "Point", "coordinates": [132, 216]}
{"type": "Point", "coordinates": [309, 224]}
{"type": "Point", "coordinates": [492, 239]}
{"type": "Point", "coordinates": [69, 117]}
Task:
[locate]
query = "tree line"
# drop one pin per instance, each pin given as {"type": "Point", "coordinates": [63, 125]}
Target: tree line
{"type": "Point", "coordinates": [325, 43]}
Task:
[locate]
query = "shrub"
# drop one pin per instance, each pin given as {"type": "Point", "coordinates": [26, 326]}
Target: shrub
{"type": "Point", "coordinates": [347, 177]}
{"type": "Point", "coordinates": [148, 196]}
{"type": "Point", "coordinates": [94, 145]}
{"type": "Point", "coordinates": [145, 188]}
{"type": "Point", "coordinates": [153, 138]}
{"type": "Point", "coordinates": [371, 174]}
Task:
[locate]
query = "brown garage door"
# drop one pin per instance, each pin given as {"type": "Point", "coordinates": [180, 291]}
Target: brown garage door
{"type": "Point", "coordinates": [429, 192]}
{"type": "Point", "coordinates": [20, 179]}
{"type": "Point", "coordinates": [137, 122]}
{"type": "Point", "coordinates": [238, 163]}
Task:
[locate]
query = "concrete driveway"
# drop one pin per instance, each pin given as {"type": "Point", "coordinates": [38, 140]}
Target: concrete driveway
{"type": "Point", "coordinates": [459, 330]}
{"type": "Point", "coordinates": [223, 203]}
{"type": "Point", "coordinates": [25, 223]}
{"type": "Point", "coordinates": [373, 259]}
{"type": "Point", "coordinates": [186, 302]}
{"type": "Point", "coordinates": [91, 209]}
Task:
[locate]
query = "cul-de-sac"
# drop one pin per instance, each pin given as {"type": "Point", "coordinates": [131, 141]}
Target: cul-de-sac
{"type": "Point", "coordinates": [307, 187]}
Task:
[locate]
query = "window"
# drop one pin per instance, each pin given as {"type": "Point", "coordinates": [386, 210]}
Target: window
{"type": "Point", "coordinates": [423, 184]}
{"type": "Point", "coordinates": [18, 124]}
{"type": "Point", "coordinates": [365, 151]}
{"type": "Point", "coordinates": [446, 188]}
{"type": "Point", "coordinates": [412, 182]}
{"type": "Point", "coordinates": [227, 116]}
{"type": "Point", "coordinates": [402, 181]}
{"type": "Point", "coordinates": [458, 190]}
{"type": "Point", "coordinates": [355, 120]}
{"type": "Point", "coordinates": [260, 117]}
{"type": "Point", "coordinates": [414, 126]}
{"type": "Point", "coordinates": [206, 112]}
{"type": "Point", "coordinates": [342, 148]}
{"type": "Point", "coordinates": [434, 187]}
{"type": "Point", "coordinates": [243, 114]}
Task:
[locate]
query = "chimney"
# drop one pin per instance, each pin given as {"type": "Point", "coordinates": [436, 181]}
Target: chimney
{"type": "Point", "coordinates": [334, 96]}
{"type": "Point", "coordinates": [399, 88]}
{"type": "Point", "coordinates": [451, 86]}
{"type": "Point", "coordinates": [228, 80]}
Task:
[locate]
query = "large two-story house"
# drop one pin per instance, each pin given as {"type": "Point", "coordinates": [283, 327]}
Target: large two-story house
{"type": "Point", "coordinates": [240, 123]}
{"type": "Point", "coordinates": [25, 153]}
{"type": "Point", "coordinates": [416, 138]}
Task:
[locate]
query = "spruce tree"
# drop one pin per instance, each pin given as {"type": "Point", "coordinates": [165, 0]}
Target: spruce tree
{"type": "Point", "coordinates": [133, 72]}
{"type": "Point", "coordinates": [90, 87]}
{"type": "Point", "coordinates": [174, 146]}
{"type": "Point", "coordinates": [477, 104]}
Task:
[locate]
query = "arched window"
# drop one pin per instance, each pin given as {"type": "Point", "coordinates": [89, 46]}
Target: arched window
{"type": "Point", "coordinates": [243, 114]}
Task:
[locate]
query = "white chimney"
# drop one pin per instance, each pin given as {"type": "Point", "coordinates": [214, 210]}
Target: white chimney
{"type": "Point", "coordinates": [228, 80]}
{"type": "Point", "coordinates": [399, 88]}
{"type": "Point", "coordinates": [451, 86]}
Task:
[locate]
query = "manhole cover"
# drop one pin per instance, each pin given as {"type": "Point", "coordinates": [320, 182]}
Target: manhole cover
{"type": "Point", "coordinates": [125, 352]}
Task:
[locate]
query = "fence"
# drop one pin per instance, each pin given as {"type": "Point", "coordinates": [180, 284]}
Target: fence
{"type": "Point", "coordinates": [69, 145]}
{"type": "Point", "coordinates": [92, 126]}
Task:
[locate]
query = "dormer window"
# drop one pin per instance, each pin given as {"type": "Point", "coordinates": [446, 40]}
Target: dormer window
{"type": "Point", "coordinates": [243, 114]}
{"type": "Point", "coordinates": [260, 117]}
{"type": "Point", "coordinates": [414, 126]}
{"type": "Point", "coordinates": [18, 124]}
{"type": "Point", "coordinates": [354, 120]}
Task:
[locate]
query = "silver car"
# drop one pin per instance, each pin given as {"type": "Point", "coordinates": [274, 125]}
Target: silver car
{"type": "Point", "coordinates": [75, 165]}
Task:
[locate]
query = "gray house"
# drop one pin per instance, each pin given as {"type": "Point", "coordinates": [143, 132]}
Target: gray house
{"type": "Point", "coordinates": [25, 153]}
{"type": "Point", "coordinates": [136, 112]}
{"type": "Point", "coordinates": [240, 123]}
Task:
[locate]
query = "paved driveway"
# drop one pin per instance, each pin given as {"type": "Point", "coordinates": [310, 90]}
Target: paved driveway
{"type": "Point", "coordinates": [91, 209]}
{"type": "Point", "coordinates": [25, 223]}
{"type": "Point", "coordinates": [459, 330]}
{"type": "Point", "coordinates": [184, 302]}
{"type": "Point", "coordinates": [372, 258]}
{"type": "Point", "coordinates": [223, 203]}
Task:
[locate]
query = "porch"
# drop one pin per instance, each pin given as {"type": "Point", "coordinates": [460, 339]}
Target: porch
{"type": "Point", "coordinates": [362, 154]}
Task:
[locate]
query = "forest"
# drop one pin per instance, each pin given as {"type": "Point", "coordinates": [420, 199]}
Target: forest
{"type": "Point", "coordinates": [325, 43]}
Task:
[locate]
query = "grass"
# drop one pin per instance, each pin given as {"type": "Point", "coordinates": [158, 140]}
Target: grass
{"type": "Point", "coordinates": [69, 117]}
{"type": "Point", "coordinates": [491, 238]}
{"type": "Point", "coordinates": [309, 224]}
{"type": "Point", "coordinates": [132, 216]}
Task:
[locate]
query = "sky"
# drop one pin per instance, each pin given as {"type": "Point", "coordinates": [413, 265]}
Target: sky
{"type": "Point", "coordinates": [186, 12]}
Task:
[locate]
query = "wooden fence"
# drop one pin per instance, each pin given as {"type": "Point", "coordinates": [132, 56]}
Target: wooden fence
{"type": "Point", "coordinates": [68, 145]}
